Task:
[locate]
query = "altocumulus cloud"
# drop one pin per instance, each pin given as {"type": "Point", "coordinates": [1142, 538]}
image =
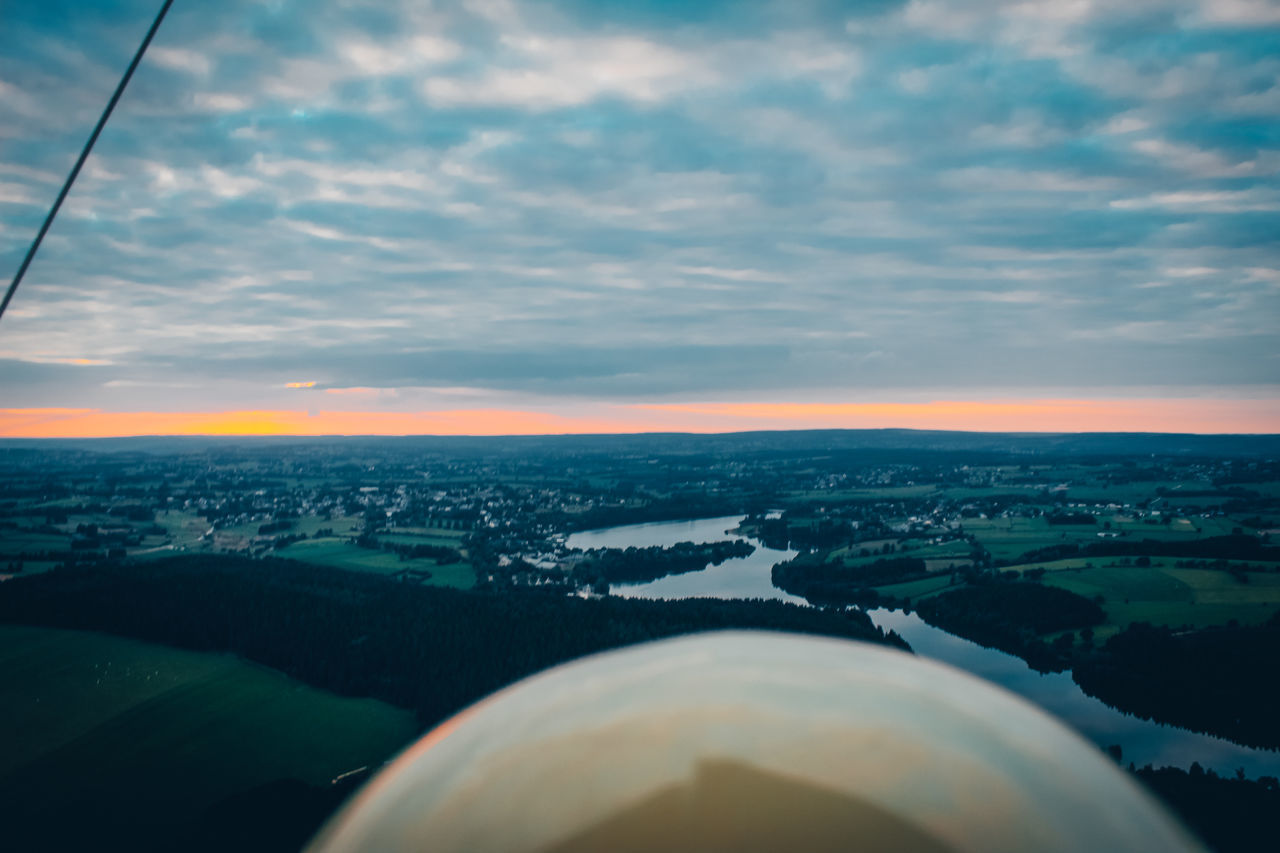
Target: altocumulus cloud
{"type": "Point", "coordinates": [641, 201]}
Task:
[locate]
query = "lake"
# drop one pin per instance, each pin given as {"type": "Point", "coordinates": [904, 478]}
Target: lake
{"type": "Point", "coordinates": [740, 577]}
{"type": "Point", "coordinates": [1142, 741]}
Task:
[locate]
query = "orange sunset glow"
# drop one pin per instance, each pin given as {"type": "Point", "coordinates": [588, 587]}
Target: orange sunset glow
{"type": "Point", "coordinates": [1039, 415]}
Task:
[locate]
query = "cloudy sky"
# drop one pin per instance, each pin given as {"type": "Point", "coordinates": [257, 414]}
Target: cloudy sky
{"type": "Point", "coordinates": [491, 216]}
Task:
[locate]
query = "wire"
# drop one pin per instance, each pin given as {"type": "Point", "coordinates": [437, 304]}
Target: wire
{"type": "Point", "coordinates": [84, 155]}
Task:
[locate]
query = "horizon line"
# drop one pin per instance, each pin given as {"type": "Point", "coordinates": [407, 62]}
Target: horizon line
{"type": "Point", "coordinates": [656, 432]}
{"type": "Point", "coordinates": [1166, 416]}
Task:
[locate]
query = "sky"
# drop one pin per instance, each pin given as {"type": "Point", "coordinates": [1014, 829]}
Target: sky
{"type": "Point", "coordinates": [331, 216]}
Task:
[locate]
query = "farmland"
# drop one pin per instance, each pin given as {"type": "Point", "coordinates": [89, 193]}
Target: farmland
{"type": "Point", "coordinates": [1172, 597]}
{"type": "Point", "coordinates": [342, 554]}
{"type": "Point", "coordinates": [325, 558]}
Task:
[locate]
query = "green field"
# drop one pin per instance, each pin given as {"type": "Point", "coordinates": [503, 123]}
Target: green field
{"type": "Point", "coordinates": [1163, 595]}
{"type": "Point", "coordinates": [117, 732]}
{"type": "Point", "coordinates": [309, 524]}
{"type": "Point", "coordinates": [955, 550]}
{"type": "Point", "coordinates": [241, 535]}
{"type": "Point", "coordinates": [342, 555]}
{"type": "Point", "coordinates": [185, 528]}
{"type": "Point", "coordinates": [13, 542]}
{"type": "Point", "coordinates": [1008, 538]}
{"type": "Point", "coordinates": [917, 589]}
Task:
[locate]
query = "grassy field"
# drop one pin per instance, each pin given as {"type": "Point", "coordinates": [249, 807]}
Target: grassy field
{"type": "Point", "coordinates": [185, 528]}
{"type": "Point", "coordinates": [118, 731]}
{"type": "Point", "coordinates": [1007, 538]}
{"type": "Point", "coordinates": [241, 535]}
{"type": "Point", "coordinates": [852, 551]}
{"type": "Point", "coordinates": [918, 589]}
{"type": "Point", "coordinates": [1164, 595]}
{"type": "Point", "coordinates": [1160, 593]}
{"type": "Point", "coordinates": [937, 555]}
{"type": "Point", "coordinates": [954, 548]}
{"type": "Point", "coordinates": [13, 542]}
{"type": "Point", "coordinates": [343, 555]}
{"type": "Point", "coordinates": [458, 575]}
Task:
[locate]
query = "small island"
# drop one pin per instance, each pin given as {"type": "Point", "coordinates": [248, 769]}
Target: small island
{"type": "Point", "coordinates": [603, 566]}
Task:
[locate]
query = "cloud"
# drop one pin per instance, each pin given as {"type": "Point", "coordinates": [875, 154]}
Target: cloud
{"type": "Point", "coordinates": [1219, 201]}
{"type": "Point", "coordinates": [1239, 12]}
{"type": "Point", "coordinates": [560, 72]}
{"type": "Point", "coordinates": [221, 102]}
{"type": "Point", "coordinates": [1202, 163]}
{"type": "Point", "coordinates": [177, 59]}
{"type": "Point", "coordinates": [561, 200]}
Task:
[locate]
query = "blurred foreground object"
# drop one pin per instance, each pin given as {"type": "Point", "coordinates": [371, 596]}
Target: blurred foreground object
{"type": "Point", "coordinates": [744, 741]}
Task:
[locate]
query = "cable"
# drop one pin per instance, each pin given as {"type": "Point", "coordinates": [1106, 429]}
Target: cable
{"type": "Point", "coordinates": [84, 155]}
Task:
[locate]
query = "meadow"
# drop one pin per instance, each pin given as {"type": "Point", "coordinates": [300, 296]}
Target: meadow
{"type": "Point", "coordinates": [342, 554]}
{"type": "Point", "coordinates": [96, 724]}
{"type": "Point", "coordinates": [1172, 597]}
{"type": "Point", "coordinates": [1009, 538]}
{"type": "Point", "coordinates": [1160, 593]}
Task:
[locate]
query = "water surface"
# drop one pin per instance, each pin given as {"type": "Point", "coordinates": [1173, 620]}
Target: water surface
{"type": "Point", "coordinates": [738, 577]}
{"type": "Point", "coordinates": [1142, 741]}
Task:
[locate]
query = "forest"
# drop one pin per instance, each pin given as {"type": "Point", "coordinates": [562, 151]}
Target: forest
{"type": "Point", "coordinates": [1147, 671]}
{"type": "Point", "coordinates": [1224, 811]}
{"type": "Point", "coordinates": [1010, 615]}
{"type": "Point", "coordinates": [839, 584]}
{"type": "Point", "coordinates": [430, 649]}
{"type": "Point", "coordinates": [638, 565]}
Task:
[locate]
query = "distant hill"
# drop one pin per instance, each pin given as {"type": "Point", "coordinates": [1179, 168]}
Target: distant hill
{"type": "Point", "coordinates": [1032, 444]}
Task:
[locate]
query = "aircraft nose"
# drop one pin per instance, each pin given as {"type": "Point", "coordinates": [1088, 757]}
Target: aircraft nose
{"type": "Point", "coordinates": [752, 741]}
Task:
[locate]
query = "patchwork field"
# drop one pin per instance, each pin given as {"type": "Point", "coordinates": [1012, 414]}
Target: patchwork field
{"type": "Point", "coordinates": [241, 535]}
{"type": "Point", "coordinates": [938, 556]}
{"type": "Point", "coordinates": [341, 554]}
{"type": "Point", "coordinates": [96, 724]}
{"type": "Point", "coordinates": [1160, 593]}
{"type": "Point", "coordinates": [1008, 538]}
{"type": "Point", "coordinates": [1174, 597]}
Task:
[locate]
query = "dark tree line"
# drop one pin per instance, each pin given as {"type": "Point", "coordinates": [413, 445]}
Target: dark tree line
{"type": "Point", "coordinates": [1071, 518]}
{"type": "Point", "coordinates": [839, 584]}
{"type": "Point", "coordinates": [1240, 547]}
{"type": "Point", "coordinates": [1222, 681]}
{"type": "Point", "coordinates": [677, 507]}
{"type": "Point", "coordinates": [431, 649]}
{"type": "Point", "coordinates": [638, 565]}
{"type": "Point", "coordinates": [78, 554]}
{"type": "Point", "coordinates": [278, 526]}
{"type": "Point", "coordinates": [1011, 615]}
{"type": "Point", "coordinates": [1232, 815]}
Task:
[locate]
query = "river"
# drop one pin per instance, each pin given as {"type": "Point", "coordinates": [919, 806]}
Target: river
{"type": "Point", "coordinates": [1142, 741]}
{"type": "Point", "coordinates": [740, 577]}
